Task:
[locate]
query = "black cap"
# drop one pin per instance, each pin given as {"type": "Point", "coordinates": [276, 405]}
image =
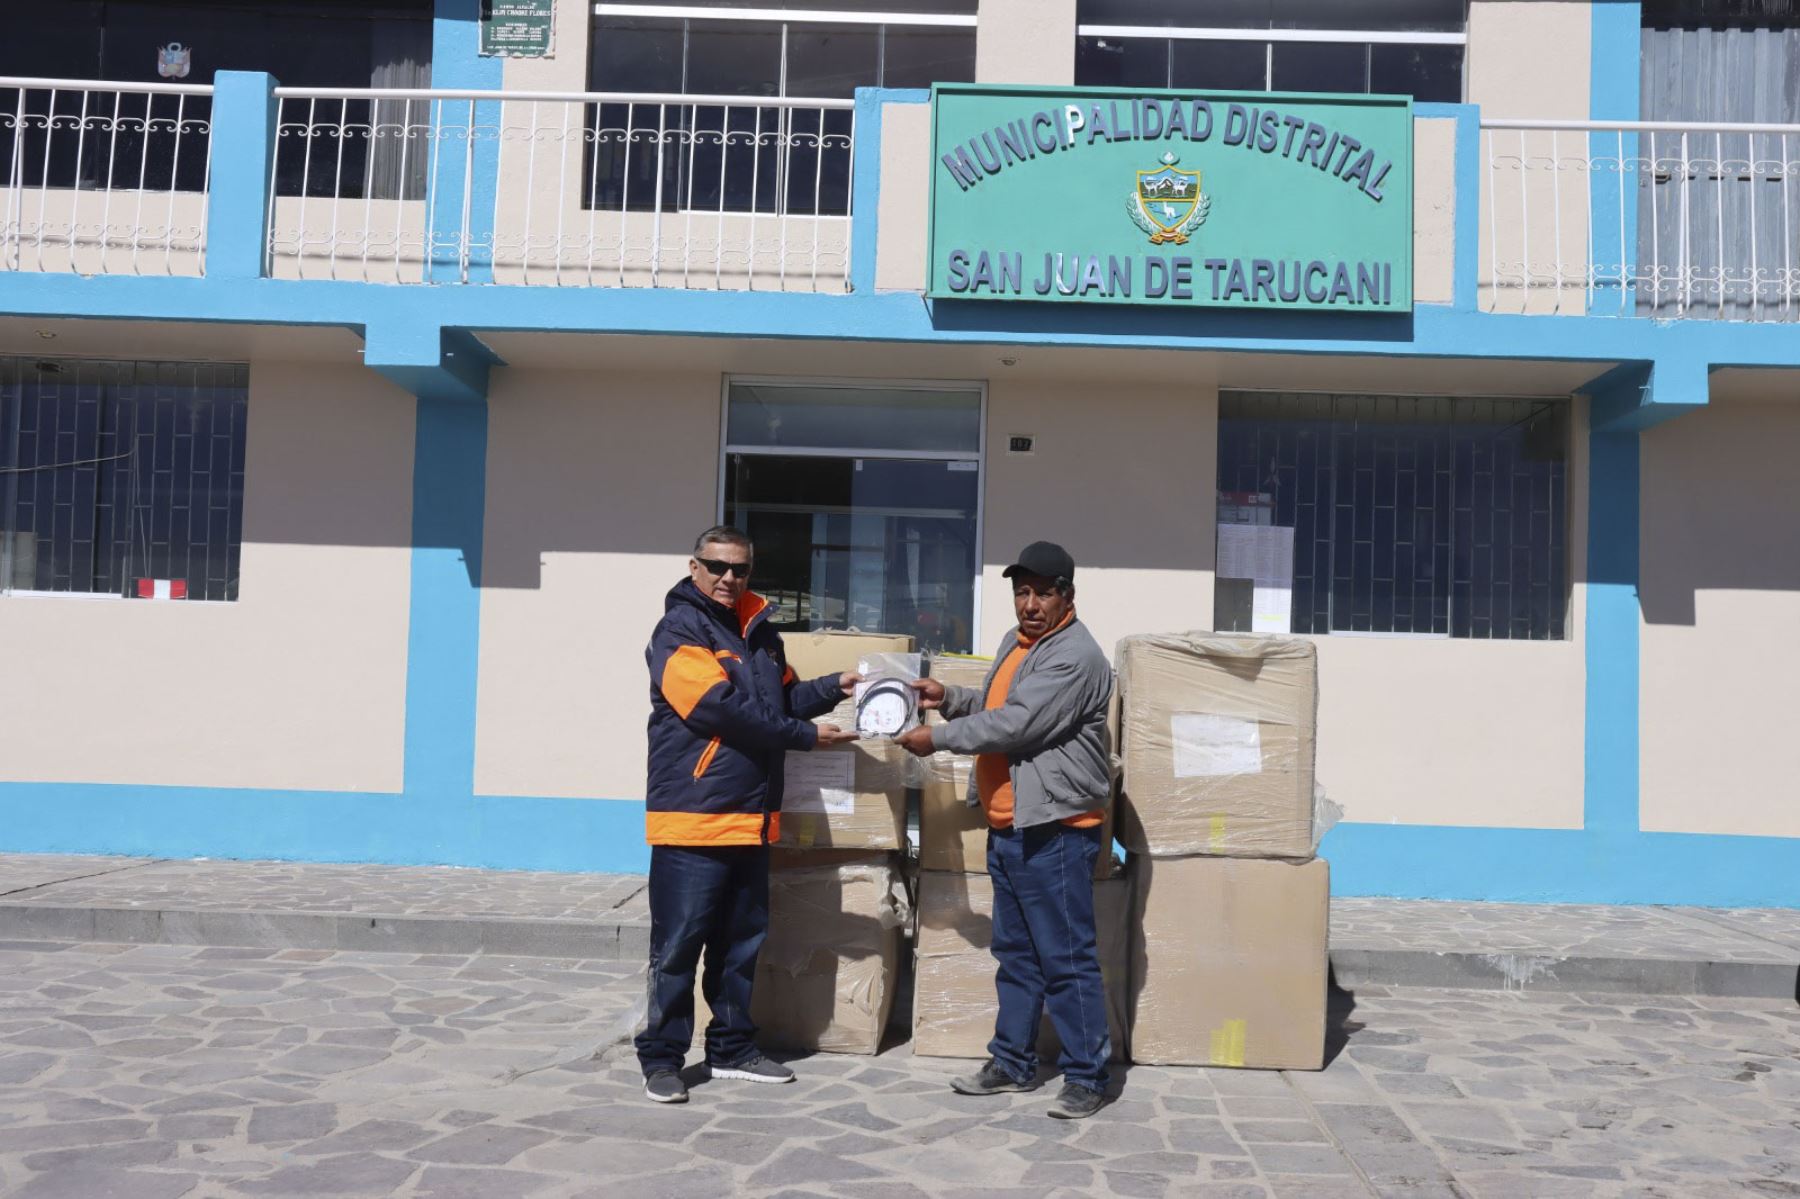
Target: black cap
{"type": "Point", "coordinates": [1042, 558]}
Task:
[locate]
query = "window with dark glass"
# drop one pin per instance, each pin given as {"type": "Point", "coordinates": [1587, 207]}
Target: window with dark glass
{"type": "Point", "coordinates": [1406, 47]}
{"type": "Point", "coordinates": [114, 473]}
{"type": "Point", "coordinates": [131, 139]}
{"type": "Point", "coordinates": [730, 157]}
{"type": "Point", "coordinates": [862, 500]}
{"type": "Point", "coordinates": [1393, 514]}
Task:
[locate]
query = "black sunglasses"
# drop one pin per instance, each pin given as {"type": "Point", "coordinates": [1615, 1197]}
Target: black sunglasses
{"type": "Point", "coordinates": [739, 569]}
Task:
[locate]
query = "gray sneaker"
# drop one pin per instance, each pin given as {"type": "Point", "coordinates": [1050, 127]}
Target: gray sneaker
{"type": "Point", "coordinates": [1077, 1102]}
{"type": "Point", "coordinates": [665, 1086]}
{"type": "Point", "coordinates": [755, 1068]}
{"type": "Point", "coordinates": [991, 1079]}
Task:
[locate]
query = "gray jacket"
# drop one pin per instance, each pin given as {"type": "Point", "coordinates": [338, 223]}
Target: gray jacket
{"type": "Point", "coordinates": [1052, 727]}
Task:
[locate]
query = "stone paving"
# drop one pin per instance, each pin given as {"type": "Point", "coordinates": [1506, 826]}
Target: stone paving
{"type": "Point", "coordinates": [158, 1071]}
{"type": "Point", "coordinates": [1548, 930]}
{"type": "Point", "coordinates": [207, 884]}
{"type": "Point", "coordinates": [1567, 930]}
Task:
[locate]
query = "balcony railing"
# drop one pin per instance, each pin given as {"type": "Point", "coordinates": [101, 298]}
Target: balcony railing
{"type": "Point", "coordinates": [104, 178]}
{"type": "Point", "coordinates": [1636, 218]}
{"type": "Point", "coordinates": [570, 189]}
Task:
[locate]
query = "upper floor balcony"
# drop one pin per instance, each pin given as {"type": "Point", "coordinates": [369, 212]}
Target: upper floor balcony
{"type": "Point", "coordinates": [405, 187]}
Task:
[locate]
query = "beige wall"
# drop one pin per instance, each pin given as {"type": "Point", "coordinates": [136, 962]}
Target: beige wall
{"type": "Point", "coordinates": [1720, 588]}
{"type": "Point", "coordinates": [102, 233]}
{"type": "Point", "coordinates": [1530, 59]}
{"type": "Point", "coordinates": [299, 684]}
{"type": "Point", "coordinates": [596, 481]}
{"type": "Point", "coordinates": [1434, 211]}
{"type": "Point", "coordinates": [1025, 41]}
{"type": "Point", "coordinates": [904, 212]}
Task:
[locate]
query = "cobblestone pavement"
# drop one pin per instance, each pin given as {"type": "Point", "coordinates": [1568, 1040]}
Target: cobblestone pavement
{"type": "Point", "coordinates": [1561, 930]}
{"type": "Point", "coordinates": [314, 887]}
{"type": "Point", "coordinates": [155, 1071]}
{"type": "Point", "coordinates": [1434, 926]}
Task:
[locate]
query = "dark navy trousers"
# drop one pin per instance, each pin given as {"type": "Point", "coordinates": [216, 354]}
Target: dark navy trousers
{"type": "Point", "coordinates": [1045, 950]}
{"type": "Point", "coordinates": [714, 901]}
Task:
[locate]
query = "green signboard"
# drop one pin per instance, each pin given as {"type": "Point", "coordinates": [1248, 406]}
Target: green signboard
{"type": "Point", "coordinates": [520, 28]}
{"type": "Point", "coordinates": [1199, 199]}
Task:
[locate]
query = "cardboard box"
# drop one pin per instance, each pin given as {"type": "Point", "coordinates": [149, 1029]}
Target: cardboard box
{"type": "Point", "coordinates": [825, 977]}
{"type": "Point", "coordinates": [1217, 745]}
{"type": "Point", "coordinates": [850, 796]}
{"type": "Point", "coordinates": [814, 654]}
{"type": "Point", "coordinates": [1228, 962]}
{"type": "Point", "coordinates": [953, 985]}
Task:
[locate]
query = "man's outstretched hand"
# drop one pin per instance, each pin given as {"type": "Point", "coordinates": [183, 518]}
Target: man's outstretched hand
{"type": "Point", "coordinates": [831, 734]}
{"type": "Point", "coordinates": [917, 741]}
{"type": "Point", "coordinates": [931, 693]}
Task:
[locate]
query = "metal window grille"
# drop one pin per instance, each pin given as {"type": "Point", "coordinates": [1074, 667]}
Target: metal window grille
{"type": "Point", "coordinates": [113, 473]}
{"type": "Point", "coordinates": [1411, 514]}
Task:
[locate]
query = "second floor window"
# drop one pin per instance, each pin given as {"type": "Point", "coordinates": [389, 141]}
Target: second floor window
{"type": "Point", "coordinates": [1389, 47]}
{"type": "Point", "coordinates": [753, 157]}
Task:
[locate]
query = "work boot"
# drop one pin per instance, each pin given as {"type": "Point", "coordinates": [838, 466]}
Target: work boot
{"type": "Point", "coordinates": [755, 1068]}
{"type": "Point", "coordinates": [991, 1079]}
{"type": "Point", "coordinates": [1077, 1102]}
{"type": "Point", "coordinates": [665, 1086]}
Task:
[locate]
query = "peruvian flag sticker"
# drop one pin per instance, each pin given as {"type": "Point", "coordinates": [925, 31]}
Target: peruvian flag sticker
{"type": "Point", "coordinates": [162, 589]}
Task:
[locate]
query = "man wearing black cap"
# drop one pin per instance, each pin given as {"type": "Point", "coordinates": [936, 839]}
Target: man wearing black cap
{"type": "Point", "coordinates": [1043, 777]}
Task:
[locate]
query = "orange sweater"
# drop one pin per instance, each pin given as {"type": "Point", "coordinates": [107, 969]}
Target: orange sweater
{"type": "Point", "coordinates": [993, 773]}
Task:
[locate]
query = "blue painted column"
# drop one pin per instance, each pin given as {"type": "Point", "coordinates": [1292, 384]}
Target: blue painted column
{"type": "Point", "coordinates": [464, 182]}
{"type": "Point", "coordinates": [1614, 83]}
{"type": "Point", "coordinates": [444, 634]}
{"type": "Point", "coordinates": [1611, 772]}
{"type": "Point", "coordinates": [243, 157]}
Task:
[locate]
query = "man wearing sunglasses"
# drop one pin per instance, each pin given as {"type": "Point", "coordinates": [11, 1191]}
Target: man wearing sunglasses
{"type": "Point", "coordinates": [1043, 777]}
{"type": "Point", "coordinates": [725, 709]}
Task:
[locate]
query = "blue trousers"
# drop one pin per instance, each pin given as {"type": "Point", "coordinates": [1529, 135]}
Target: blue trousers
{"type": "Point", "coordinates": [1044, 946]}
{"type": "Point", "coordinates": [716, 900]}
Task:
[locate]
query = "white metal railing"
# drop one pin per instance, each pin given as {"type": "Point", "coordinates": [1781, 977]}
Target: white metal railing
{"type": "Point", "coordinates": [104, 177]}
{"type": "Point", "coordinates": [562, 188]}
{"type": "Point", "coordinates": [1646, 218]}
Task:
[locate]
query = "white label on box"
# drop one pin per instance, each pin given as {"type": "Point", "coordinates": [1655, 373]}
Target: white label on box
{"type": "Point", "coordinates": [821, 781]}
{"type": "Point", "coordinates": [1208, 746]}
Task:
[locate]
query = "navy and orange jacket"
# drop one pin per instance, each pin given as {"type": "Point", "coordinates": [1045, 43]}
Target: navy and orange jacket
{"type": "Point", "coordinates": [724, 710]}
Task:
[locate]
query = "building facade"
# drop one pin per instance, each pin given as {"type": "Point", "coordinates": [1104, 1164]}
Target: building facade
{"type": "Point", "coordinates": [408, 346]}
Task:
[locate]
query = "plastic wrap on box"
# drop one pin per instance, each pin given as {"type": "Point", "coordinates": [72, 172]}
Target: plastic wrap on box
{"type": "Point", "coordinates": [953, 984]}
{"type": "Point", "coordinates": [886, 702]}
{"type": "Point", "coordinates": [1229, 962]}
{"type": "Point", "coordinates": [825, 977]}
{"type": "Point", "coordinates": [1217, 745]}
{"type": "Point", "coordinates": [851, 796]}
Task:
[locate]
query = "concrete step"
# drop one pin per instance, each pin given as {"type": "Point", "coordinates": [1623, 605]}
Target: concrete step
{"type": "Point", "coordinates": [429, 910]}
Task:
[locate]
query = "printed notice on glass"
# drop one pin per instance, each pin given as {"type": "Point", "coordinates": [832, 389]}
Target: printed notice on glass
{"type": "Point", "coordinates": [1264, 554]}
{"type": "Point", "coordinates": [1210, 746]}
{"type": "Point", "coordinates": [822, 781]}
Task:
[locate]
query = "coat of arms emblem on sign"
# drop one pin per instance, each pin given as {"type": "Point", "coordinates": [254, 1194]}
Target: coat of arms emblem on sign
{"type": "Point", "coordinates": [1168, 204]}
{"type": "Point", "coordinates": [174, 60]}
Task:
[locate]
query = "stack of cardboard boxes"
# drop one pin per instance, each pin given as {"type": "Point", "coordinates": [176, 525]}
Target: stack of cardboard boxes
{"type": "Point", "coordinates": [953, 985]}
{"type": "Point", "coordinates": [838, 905]}
{"type": "Point", "coordinates": [1229, 903]}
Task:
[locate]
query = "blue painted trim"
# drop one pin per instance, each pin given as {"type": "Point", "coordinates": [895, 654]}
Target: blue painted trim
{"type": "Point", "coordinates": [1614, 70]}
{"type": "Point", "coordinates": [417, 828]}
{"type": "Point", "coordinates": [243, 155]}
{"type": "Point", "coordinates": [1466, 262]}
{"type": "Point", "coordinates": [865, 191]}
{"type": "Point", "coordinates": [1563, 865]}
{"type": "Point", "coordinates": [865, 240]}
{"type": "Point", "coordinates": [1432, 331]}
{"type": "Point", "coordinates": [1610, 772]}
{"type": "Point", "coordinates": [465, 154]}
{"type": "Point", "coordinates": [429, 361]}
{"type": "Point", "coordinates": [443, 644]}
